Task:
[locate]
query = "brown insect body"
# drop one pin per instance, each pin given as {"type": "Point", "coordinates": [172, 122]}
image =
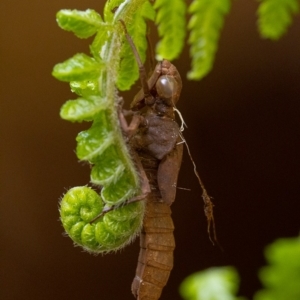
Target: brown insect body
{"type": "Point", "coordinates": [157, 242]}
{"type": "Point", "coordinates": [156, 144]}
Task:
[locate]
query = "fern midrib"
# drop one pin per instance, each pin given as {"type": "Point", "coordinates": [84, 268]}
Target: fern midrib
{"type": "Point", "coordinates": [111, 55]}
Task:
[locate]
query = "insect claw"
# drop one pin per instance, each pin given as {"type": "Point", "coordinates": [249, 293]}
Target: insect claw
{"type": "Point", "coordinates": [105, 210]}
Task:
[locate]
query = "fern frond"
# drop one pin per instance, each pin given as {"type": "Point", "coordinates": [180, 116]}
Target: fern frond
{"type": "Point", "coordinates": [94, 80]}
{"type": "Point", "coordinates": [274, 16]}
{"type": "Point", "coordinates": [205, 26]}
{"type": "Point", "coordinates": [83, 23]}
{"type": "Point", "coordinates": [170, 20]}
{"type": "Point", "coordinates": [82, 109]}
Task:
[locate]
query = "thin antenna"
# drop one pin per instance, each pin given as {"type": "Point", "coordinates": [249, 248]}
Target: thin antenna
{"type": "Point", "coordinates": [150, 49]}
{"type": "Point", "coordinates": [208, 205]}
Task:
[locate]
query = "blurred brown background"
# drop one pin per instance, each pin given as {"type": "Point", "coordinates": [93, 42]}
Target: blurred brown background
{"type": "Point", "coordinates": [243, 130]}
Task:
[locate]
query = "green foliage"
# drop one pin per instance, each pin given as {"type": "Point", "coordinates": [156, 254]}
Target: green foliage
{"type": "Point", "coordinates": [103, 146]}
{"type": "Point", "coordinates": [282, 277]}
{"type": "Point", "coordinates": [80, 205]}
{"type": "Point", "coordinates": [79, 67]}
{"type": "Point", "coordinates": [82, 109]}
{"type": "Point", "coordinates": [83, 23]}
{"type": "Point", "coordinates": [205, 25]}
{"type": "Point", "coordinates": [212, 284]}
{"type": "Point", "coordinates": [171, 28]}
{"type": "Point", "coordinates": [110, 9]}
{"type": "Point", "coordinates": [137, 30]}
{"type": "Point", "coordinates": [274, 16]}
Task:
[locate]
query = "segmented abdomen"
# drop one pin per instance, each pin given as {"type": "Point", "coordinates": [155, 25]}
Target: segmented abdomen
{"type": "Point", "coordinates": [156, 242]}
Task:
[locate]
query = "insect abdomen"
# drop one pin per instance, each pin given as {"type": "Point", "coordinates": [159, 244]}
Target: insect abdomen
{"type": "Point", "coordinates": [156, 254]}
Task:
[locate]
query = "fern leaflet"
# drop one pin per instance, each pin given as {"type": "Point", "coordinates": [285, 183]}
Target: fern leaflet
{"type": "Point", "coordinates": [170, 20]}
{"type": "Point", "coordinates": [205, 25]}
{"type": "Point", "coordinates": [274, 16]}
{"type": "Point", "coordinates": [128, 72]}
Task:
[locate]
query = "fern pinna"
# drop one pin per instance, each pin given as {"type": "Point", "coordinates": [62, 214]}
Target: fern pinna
{"type": "Point", "coordinates": [205, 25]}
{"type": "Point", "coordinates": [274, 16]}
{"type": "Point", "coordinates": [94, 80]}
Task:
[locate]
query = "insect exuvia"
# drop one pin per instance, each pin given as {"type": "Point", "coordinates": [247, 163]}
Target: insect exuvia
{"type": "Point", "coordinates": [154, 136]}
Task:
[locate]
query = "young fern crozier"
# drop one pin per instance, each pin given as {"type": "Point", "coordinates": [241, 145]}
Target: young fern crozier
{"type": "Point", "coordinates": [93, 80]}
{"type": "Point", "coordinates": [80, 205]}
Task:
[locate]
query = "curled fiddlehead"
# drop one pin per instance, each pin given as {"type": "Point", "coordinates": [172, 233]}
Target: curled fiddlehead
{"type": "Point", "coordinates": [93, 79]}
{"type": "Point", "coordinates": [80, 205]}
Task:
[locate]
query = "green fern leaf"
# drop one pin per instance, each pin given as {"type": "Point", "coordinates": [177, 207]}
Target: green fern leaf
{"type": "Point", "coordinates": [77, 68]}
{"type": "Point", "coordinates": [110, 9]}
{"type": "Point", "coordinates": [82, 109]}
{"type": "Point", "coordinates": [83, 23]}
{"type": "Point", "coordinates": [170, 20]}
{"type": "Point", "coordinates": [103, 145]}
{"type": "Point", "coordinates": [281, 276]}
{"type": "Point", "coordinates": [98, 43]}
{"type": "Point", "coordinates": [205, 25]}
{"type": "Point", "coordinates": [92, 142]}
{"type": "Point", "coordinates": [128, 72]}
{"type": "Point", "coordinates": [218, 283]}
{"type": "Point", "coordinates": [85, 88]}
{"type": "Point", "coordinates": [274, 16]}
{"type": "Point", "coordinates": [148, 11]}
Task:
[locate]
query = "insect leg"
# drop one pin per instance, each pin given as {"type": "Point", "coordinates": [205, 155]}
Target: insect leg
{"type": "Point", "coordinates": [167, 174]}
{"type": "Point", "coordinates": [129, 131]}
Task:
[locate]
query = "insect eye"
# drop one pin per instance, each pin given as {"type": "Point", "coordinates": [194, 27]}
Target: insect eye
{"type": "Point", "coordinates": [166, 86]}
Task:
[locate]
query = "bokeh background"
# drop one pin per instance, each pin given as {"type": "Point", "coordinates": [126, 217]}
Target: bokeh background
{"type": "Point", "coordinates": [243, 131]}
